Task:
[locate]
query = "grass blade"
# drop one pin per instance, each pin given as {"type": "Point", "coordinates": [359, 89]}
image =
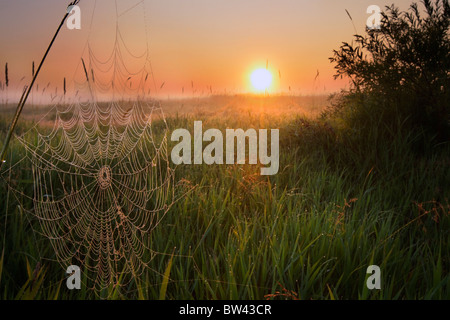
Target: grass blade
{"type": "Point", "coordinates": [162, 293]}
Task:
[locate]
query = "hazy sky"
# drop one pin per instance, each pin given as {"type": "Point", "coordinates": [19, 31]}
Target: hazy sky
{"type": "Point", "coordinates": [209, 42]}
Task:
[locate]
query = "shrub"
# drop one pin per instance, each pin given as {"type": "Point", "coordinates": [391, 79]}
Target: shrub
{"type": "Point", "coordinates": [402, 68]}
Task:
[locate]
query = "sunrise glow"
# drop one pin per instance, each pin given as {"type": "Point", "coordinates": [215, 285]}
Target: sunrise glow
{"type": "Point", "coordinates": [261, 79]}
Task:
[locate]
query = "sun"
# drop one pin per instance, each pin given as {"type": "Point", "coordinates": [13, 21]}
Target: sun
{"type": "Point", "coordinates": [261, 79]}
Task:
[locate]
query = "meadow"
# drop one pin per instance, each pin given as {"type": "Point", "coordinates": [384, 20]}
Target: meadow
{"type": "Point", "coordinates": [363, 180]}
{"type": "Point", "coordinates": [341, 201]}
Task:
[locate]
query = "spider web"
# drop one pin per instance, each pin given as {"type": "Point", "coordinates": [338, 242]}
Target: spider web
{"type": "Point", "coordinates": [102, 181]}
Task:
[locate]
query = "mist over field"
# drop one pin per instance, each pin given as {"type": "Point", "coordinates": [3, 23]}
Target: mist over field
{"type": "Point", "coordinates": [355, 119]}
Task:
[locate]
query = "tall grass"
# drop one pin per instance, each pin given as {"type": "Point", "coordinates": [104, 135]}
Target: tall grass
{"type": "Point", "coordinates": [337, 205]}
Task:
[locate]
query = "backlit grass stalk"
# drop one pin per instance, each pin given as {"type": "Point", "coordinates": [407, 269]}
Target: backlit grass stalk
{"type": "Point", "coordinates": [24, 99]}
{"type": "Point", "coordinates": [32, 76]}
{"type": "Point", "coordinates": [6, 81]}
{"type": "Point", "coordinates": [6, 75]}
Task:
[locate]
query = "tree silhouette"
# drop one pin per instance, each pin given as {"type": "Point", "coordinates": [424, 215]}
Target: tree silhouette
{"type": "Point", "coordinates": [405, 63]}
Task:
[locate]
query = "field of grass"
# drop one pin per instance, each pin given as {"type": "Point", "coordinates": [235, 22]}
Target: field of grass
{"type": "Point", "coordinates": [337, 205]}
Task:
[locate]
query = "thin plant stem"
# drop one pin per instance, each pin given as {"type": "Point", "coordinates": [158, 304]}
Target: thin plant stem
{"type": "Point", "coordinates": [24, 98]}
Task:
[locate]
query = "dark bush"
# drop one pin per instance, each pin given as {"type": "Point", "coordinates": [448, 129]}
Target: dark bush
{"type": "Point", "coordinates": [401, 71]}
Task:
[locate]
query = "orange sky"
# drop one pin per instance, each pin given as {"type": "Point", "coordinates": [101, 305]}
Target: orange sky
{"type": "Point", "coordinates": [208, 42]}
